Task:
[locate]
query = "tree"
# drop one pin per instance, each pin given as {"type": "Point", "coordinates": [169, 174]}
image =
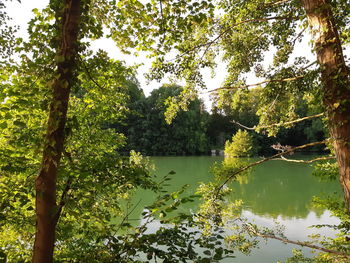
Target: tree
{"type": "Point", "coordinates": [47, 210]}
{"type": "Point", "coordinates": [7, 35]}
{"type": "Point", "coordinates": [243, 32]}
{"type": "Point", "coordinates": [92, 181]}
{"type": "Point", "coordinates": [241, 145]}
{"type": "Point", "coordinates": [80, 165]}
{"type": "Point", "coordinates": [335, 81]}
{"type": "Point", "coordinates": [148, 132]}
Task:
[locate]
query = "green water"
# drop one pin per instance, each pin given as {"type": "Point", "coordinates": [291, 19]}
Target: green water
{"type": "Point", "coordinates": [275, 191]}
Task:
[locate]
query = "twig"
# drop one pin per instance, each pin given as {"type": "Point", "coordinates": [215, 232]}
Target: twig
{"type": "Point", "coordinates": [163, 29]}
{"type": "Point", "coordinates": [311, 64]}
{"type": "Point", "coordinates": [127, 215]}
{"type": "Point", "coordinates": [298, 36]}
{"type": "Point", "coordinates": [263, 82]}
{"type": "Point", "coordinates": [268, 159]}
{"type": "Point", "coordinates": [90, 77]}
{"type": "Point", "coordinates": [243, 126]}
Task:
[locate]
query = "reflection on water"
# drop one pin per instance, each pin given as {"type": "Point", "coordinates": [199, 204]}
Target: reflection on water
{"type": "Point", "coordinates": [295, 229]}
{"type": "Point", "coordinates": [281, 189]}
{"type": "Point", "coordinates": [273, 250]}
{"type": "Point", "coordinates": [275, 191]}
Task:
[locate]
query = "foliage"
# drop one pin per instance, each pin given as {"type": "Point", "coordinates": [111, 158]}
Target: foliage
{"type": "Point", "coordinates": [241, 106]}
{"type": "Point", "coordinates": [243, 34]}
{"type": "Point", "coordinates": [92, 171]}
{"type": "Point", "coordinates": [326, 170]}
{"type": "Point", "coordinates": [179, 237]}
{"type": "Point", "coordinates": [7, 36]}
{"type": "Point", "coordinates": [94, 179]}
{"type": "Point", "coordinates": [241, 145]}
{"type": "Point", "coordinates": [218, 212]}
{"type": "Point", "coordinates": [148, 132]}
{"type": "Point", "coordinates": [202, 35]}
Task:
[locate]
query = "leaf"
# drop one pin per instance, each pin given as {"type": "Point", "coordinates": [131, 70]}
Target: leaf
{"type": "Point", "coordinates": [8, 116]}
{"type": "Point", "coordinates": [3, 125]}
{"type": "Point", "coordinates": [19, 124]}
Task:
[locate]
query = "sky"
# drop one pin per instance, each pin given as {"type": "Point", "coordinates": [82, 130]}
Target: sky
{"type": "Point", "coordinates": [22, 13]}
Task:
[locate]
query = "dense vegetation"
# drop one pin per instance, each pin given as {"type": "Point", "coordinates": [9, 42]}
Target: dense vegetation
{"type": "Point", "coordinates": [147, 131]}
{"type": "Point", "coordinates": [196, 131]}
{"type": "Point", "coordinates": [68, 112]}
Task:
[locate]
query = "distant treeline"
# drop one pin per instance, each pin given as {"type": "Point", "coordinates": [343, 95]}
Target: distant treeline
{"type": "Point", "coordinates": [197, 132]}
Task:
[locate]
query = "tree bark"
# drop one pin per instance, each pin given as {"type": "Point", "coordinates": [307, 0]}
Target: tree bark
{"type": "Point", "coordinates": [46, 207]}
{"type": "Point", "coordinates": [335, 82]}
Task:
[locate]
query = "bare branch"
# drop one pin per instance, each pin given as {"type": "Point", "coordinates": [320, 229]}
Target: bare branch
{"type": "Point", "coordinates": [163, 29]}
{"type": "Point", "coordinates": [243, 126]}
{"type": "Point", "coordinates": [299, 243]}
{"type": "Point", "coordinates": [126, 217]}
{"type": "Point", "coordinates": [276, 3]}
{"type": "Point", "coordinates": [268, 159]}
{"type": "Point", "coordinates": [311, 64]}
{"type": "Point", "coordinates": [264, 82]}
{"type": "Point", "coordinates": [278, 124]}
{"type": "Point", "coordinates": [63, 198]}
{"type": "Point", "coordinates": [257, 84]}
{"type": "Point", "coordinates": [308, 161]}
{"type": "Point", "coordinates": [298, 36]}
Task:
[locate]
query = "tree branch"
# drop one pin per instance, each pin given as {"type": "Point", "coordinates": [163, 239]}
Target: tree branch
{"type": "Point", "coordinates": [276, 3]}
{"type": "Point", "coordinates": [257, 84]}
{"type": "Point", "coordinates": [249, 21]}
{"type": "Point", "coordinates": [298, 36]}
{"type": "Point", "coordinates": [278, 124]}
{"type": "Point", "coordinates": [308, 161]}
{"type": "Point", "coordinates": [65, 190]}
{"type": "Point", "coordinates": [126, 217]}
{"type": "Point", "coordinates": [63, 198]}
{"type": "Point", "coordinates": [211, 42]}
{"type": "Point", "coordinates": [311, 64]}
{"type": "Point", "coordinates": [268, 159]}
{"type": "Point", "coordinates": [87, 71]}
{"type": "Point", "coordinates": [299, 243]}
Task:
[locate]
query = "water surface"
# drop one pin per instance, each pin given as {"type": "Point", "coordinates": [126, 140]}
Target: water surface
{"type": "Point", "coordinates": [275, 191]}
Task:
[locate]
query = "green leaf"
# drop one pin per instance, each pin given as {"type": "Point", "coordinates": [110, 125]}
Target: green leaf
{"type": "Point", "coordinates": [3, 125]}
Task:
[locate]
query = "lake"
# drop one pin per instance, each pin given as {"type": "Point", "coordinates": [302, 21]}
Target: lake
{"type": "Point", "coordinates": [275, 191]}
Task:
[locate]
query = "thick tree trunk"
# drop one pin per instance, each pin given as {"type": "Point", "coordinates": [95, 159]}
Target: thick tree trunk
{"type": "Point", "coordinates": [335, 81]}
{"type": "Point", "coordinates": [46, 207]}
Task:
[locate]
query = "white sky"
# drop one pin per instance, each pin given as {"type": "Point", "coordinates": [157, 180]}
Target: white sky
{"type": "Point", "coordinates": [21, 14]}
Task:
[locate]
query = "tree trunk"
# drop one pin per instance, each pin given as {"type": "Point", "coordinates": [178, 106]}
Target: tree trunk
{"type": "Point", "coordinates": [46, 207]}
{"type": "Point", "coordinates": [335, 82]}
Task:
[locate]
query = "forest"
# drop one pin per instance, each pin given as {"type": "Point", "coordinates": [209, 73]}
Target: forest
{"type": "Point", "coordinates": [196, 131]}
{"type": "Point", "coordinates": [80, 141]}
